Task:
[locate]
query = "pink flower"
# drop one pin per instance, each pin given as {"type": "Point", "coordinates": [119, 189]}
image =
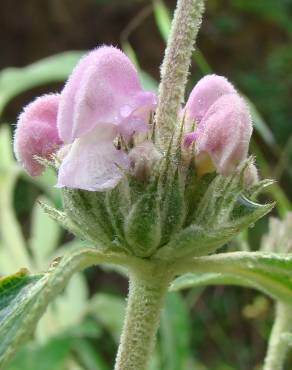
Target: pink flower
{"type": "Point", "coordinates": [36, 133]}
{"type": "Point", "coordinates": [223, 123]}
{"type": "Point", "coordinates": [101, 100]}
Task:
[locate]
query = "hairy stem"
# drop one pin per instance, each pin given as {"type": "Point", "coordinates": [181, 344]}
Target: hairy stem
{"type": "Point", "coordinates": [278, 346]}
{"type": "Point", "coordinates": [175, 66]}
{"type": "Point", "coordinates": [146, 293]}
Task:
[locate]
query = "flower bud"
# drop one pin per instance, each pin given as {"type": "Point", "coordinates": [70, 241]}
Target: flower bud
{"type": "Point", "coordinates": [222, 125]}
{"type": "Point", "coordinates": [251, 176]}
{"type": "Point", "coordinates": [36, 133]}
{"type": "Point", "coordinates": [226, 133]}
{"type": "Point", "coordinates": [204, 94]}
{"type": "Point", "coordinates": [143, 158]}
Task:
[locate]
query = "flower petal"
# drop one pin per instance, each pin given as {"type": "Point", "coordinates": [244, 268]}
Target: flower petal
{"type": "Point", "coordinates": [92, 164]}
{"type": "Point", "coordinates": [135, 116]}
{"type": "Point", "coordinates": [102, 84]}
{"type": "Point", "coordinates": [204, 94]}
{"type": "Point", "coordinates": [227, 131]}
{"type": "Point", "coordinates": [36, 133]}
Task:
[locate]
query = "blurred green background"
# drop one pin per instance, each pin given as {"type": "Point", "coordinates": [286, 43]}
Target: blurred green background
{"type": "Point", "coordinates": [249, 42]}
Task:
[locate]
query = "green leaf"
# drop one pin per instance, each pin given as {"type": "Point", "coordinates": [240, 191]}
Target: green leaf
{"type": "Point", "coordinates": [14, 81]}
{"type": "Point", "coordinates": [10, 232]}
{"type": "Point", "coordinates": [24, 297]}
{"type": "Point", "coordinates": [109, 310]}
{"type": "Point", "coordinates": [46, 182]}
{"type": "Point", "coordinates": [143, 224]}
{"type": "Point", "coordinates": [45, 234]}
{"type": "Point", "coordinates": [219, 216]}
{"type": "Point", "coordinates": [175, 333]}
{"type": "Point", "coordinates": [6, 156]}
{"type": "Point", "coordinates": [261, 126]}
{"type": "Point", "coordinates": [173, 206]}
{"type": "Point", "coordinates": [88, 356]}
{"type": "Point", "coordinates": [162, 17]}
{"type": "Point", "coordinates": [270, 273]}
{"type": "Point", "coordinates": [50, 356]}
{"type": "Point", "coordinates": [204, 279]}
{"type": "Point", "coordinates": [148, 82]}
{"type": "Point", "coordinates": [287, 337]}
{"type": "Point", "coordinates": [64, 221]}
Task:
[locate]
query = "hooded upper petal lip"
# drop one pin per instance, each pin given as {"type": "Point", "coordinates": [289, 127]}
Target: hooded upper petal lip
{"type": "Point", "coordinates": [36, 133]}
{"type": "Point", "coordinates": [100, 86]}
{"type": "Point", "coordinates": [227, 132]}
{"type": "Point", "coordinates": [207, 90]}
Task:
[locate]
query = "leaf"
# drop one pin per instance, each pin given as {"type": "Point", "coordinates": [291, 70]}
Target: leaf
{"type": "Point", "coordinates": [204, 238]}
{"type": "Point", "coordinates": [109, 310]}
{"type": "Point", "coordinates": [45, 234]}
{"type": "Point", "coordinates": [162, 18]}
{"type": "Point", "coordinates": [6, 156]}
{"type": "Point", "coordinates": [175, 333]}
{"type": "Point", "coordinates": [147, 82]}
{"type": "Point", "coordinates": [46, 182]}
{"type": "Point", "coordinates": [50, 356]}
{"type": "Point", "coordinates": [204, 279]}
{"type": "Point", "coordinates": [261, 126]}
{"type": "Point", "coordinates": [89, 356]}
{"type": "Point", "coordinates": [14, 81]}
{"type": "Point", "coordinates": [270, 273]}
{"type": "Point", "coordinates": [287, 337]}
{"type": "Point", "coordinates": [10, 231]}
{"type": "Point", "coordinates": [64, 221]}
{"type": "Point", "coordinates": [143, 224]}
{"type": "Point", "coordinates": [24, 297]}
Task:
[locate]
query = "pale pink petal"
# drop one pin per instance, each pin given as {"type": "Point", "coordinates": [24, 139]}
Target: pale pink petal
{"type": "Point", "coordinates": [190, 138]}
{"type": "Point", "coordinates": [203, 95]}
{"type": "Point", "coordinates": [100, 86]}
{"type": "Point", "coordinates": [135, 116]}
{"type": "Point", "coordinates": [227, 131]}
{"type": "Point", "coordinates": [36, 133]}
{"type": "Point", "coordinates": [92, 164]}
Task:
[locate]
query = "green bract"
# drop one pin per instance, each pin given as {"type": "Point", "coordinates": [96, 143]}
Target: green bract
{"type": "Point", "coordinates": [172, 213]}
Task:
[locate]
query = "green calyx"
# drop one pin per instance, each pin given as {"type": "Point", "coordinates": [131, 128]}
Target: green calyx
{"type": "Point", "coordinates": [173, 213]}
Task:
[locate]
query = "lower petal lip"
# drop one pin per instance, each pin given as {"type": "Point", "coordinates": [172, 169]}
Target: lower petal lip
{"type": "Point", "coordinates": [92, 164]}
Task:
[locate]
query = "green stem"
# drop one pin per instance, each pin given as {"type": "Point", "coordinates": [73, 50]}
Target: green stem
{"type": "Point", "coordinates": [147, 290]}
{"type": "Point", "coordinates": [175, 66]}
{"type": "Point", "coordinates": [278, 346]}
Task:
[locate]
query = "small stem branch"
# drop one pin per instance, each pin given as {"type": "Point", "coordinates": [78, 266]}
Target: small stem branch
{"type": "Point", "coordinates": [146, 293]}
{"type": "Point", "coordinates": [278, 346]}
{"type": "Point", "coordinates": [175, 66]}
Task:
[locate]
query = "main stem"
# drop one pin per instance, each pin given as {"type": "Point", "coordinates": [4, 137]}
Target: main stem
{"type": "Point", "coordinates": [174, 70]}
{"type": "Point", "coordinates": [146, 293]}
{"type": "Point", "coordinates": [278, 347]}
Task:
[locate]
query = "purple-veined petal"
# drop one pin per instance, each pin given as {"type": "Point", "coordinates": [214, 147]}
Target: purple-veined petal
{"type": "Point", "coordinates": [36, 133]}
{"type": "Point", "coordinates": [92, 164]}
{"type": "Point", "coordinates": [204, 94]}
{"type": "Point", "coordinates": [100, 86]}
{"type": "Point", "coordinates": [226, 134]}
